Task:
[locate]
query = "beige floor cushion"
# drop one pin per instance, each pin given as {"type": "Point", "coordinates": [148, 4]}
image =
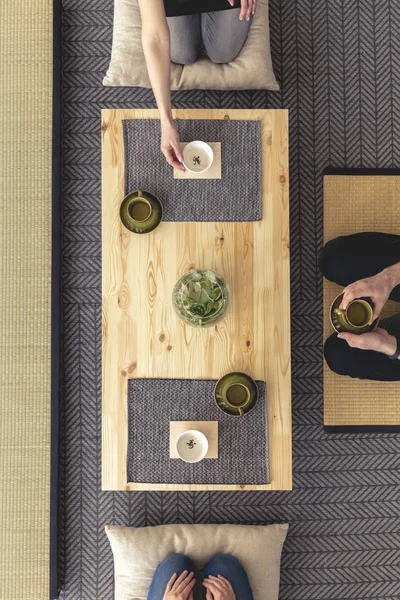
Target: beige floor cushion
{"type": "Point", "coordinates": [251, 70]}
{"type": "Point", "coordinates": [138, 551]}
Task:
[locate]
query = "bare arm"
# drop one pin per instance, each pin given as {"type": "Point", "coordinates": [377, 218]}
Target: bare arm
{"type": "Point", "coordinates": [393, 274]}
{"type": "Point", "coordinates": [156, 47]}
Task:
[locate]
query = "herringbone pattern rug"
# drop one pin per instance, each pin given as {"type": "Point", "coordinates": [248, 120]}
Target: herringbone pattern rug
{"type": "Point", "coordinates": [339, 69]}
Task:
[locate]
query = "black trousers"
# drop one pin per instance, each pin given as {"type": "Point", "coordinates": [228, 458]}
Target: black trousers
{"type": "Point", "coordinates": [347, 259]}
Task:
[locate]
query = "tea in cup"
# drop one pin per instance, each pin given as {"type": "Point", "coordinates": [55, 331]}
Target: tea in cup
{"type": "Point", "coordinates": [141, 212]}
{"type": "Point", "coordinates": [236, 394]}
{"type": "Point", "coordinates": [357, 316]}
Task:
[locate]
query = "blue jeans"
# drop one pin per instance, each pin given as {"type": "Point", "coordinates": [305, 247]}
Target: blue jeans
{"type": "Point", "coordinates": [221, 564]}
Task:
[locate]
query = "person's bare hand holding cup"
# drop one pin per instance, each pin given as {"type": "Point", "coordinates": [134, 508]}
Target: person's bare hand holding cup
{"type": "Point", "coordinates": [378, 288]}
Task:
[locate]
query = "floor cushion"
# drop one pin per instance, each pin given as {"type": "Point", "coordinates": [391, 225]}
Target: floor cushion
{"type": "Point", "coordinates": [138, 551]}
{"type": "Point", "coordinates": [252, 69]}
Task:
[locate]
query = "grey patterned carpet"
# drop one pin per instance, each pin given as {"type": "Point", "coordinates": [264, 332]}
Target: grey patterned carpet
{"type": "Point", "coordinates": [339, 69]}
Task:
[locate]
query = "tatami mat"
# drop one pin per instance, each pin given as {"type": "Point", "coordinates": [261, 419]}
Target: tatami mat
{"type": "Point", "coordinates": [25, 268]}
{"type": "Point", "coordinates": [355, 203]}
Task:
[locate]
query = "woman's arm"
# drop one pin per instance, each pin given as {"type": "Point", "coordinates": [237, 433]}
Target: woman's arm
{"type": "Point", "coordinates": [156, 46]}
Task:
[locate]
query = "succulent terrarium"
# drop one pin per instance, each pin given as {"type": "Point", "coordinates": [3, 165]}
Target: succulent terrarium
{"type": "Point", "coordinates": [200, 298]}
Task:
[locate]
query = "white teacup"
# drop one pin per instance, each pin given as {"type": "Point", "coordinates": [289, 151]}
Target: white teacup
{"type": "Point", "coordinates": [192, 446]}
{"type": "Point", "coordinates": [198, 157]}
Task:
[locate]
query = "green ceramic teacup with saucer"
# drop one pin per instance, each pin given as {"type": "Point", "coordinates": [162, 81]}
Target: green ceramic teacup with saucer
{"type": "Point", "coordinates": [356, 318]}
{"type": "Point", "coordinates": [236, 394]}
{"type": "Point", "coordinates": [141, 212]}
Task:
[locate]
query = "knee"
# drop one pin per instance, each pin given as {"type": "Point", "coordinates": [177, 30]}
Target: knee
{"type": "Point", "coordinates": [336, 354]}
{"type": "Point", "coordinates": [184, 56]}
{"type": "Point", "coordinates": [221, 555]}
{"type": "Point", "coordinates": [177, 562]}
{"type": "Point", "coordinates": [222, 55]}
{"type": "Point", "coordinates": [225, 559]}
{"type": "Point", "coordinates": [329, 260]}
{"type": "Point", "coordinates": [331, 351]}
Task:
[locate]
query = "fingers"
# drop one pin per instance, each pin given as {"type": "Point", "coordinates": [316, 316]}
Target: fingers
{"type": "Point", "coordinates": [210, 586]}
{"type": "Point", "coordinates": [171, 582]}
{"type": "Point", "coordinates": [376, 313]}
{"type": "Point", "coordinates": [216, 586]}
{"type": "Point", "coordinates": [209, 595]}
{"type": "Point", "coordinates": [359, 290]}
{"type": "Point", "coordinates": [177, 149]}
{"type": "Point", "coordinates": [249, 10]}
{"type": "Point", "coordinates": [219, 584]}
{"type": "Point", "coordinates": [378, 306]}
{"type": "Point", "coordinates": [226, 582]}
{"type": "Point", "coordinates": [254, 6]}
{"type": "Point", "coordinates": [243, 9]}
{"type": "Point", "coordinates": [182, 580]}
{"type": "Point", "coordinates": [361, 342]}
{"type": "Point", "coordinates": [187, 585]}
{"type": "Point", "coordinates": [349, 294]}
{"type": "Point", "coordinates": [351, 338]}
{"type": "Point", "coordinates": [171, 158]}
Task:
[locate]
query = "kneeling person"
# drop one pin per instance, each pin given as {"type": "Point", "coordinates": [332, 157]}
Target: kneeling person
{"type": "Point", "coordinates": [367, 265]}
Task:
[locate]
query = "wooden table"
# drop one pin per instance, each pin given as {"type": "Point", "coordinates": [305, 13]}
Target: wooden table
{"type": "Point", "coordinates": [142, 336]}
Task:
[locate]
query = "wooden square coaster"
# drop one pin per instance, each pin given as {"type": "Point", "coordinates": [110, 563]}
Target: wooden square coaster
{"type": "Point", "coordinates": [209, 428]}
{"type": "Point", "coordinates": [214, 172]}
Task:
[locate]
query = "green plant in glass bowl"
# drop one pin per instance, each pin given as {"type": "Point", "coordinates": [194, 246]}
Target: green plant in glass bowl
{"type": "Point", "coordinates": [200, 298]}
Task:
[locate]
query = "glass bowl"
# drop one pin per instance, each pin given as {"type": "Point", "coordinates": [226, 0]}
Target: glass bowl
{"type": "Point", "coordinates": [200, 298]}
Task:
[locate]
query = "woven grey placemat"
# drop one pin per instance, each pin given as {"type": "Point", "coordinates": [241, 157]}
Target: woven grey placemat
{"type": "Point", "coordinates": [237, 196]}
{"type": "Point", "coordinates": [242, 441]}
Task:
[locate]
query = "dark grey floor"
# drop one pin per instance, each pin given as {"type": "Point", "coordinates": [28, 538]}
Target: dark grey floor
{"type": "Point", "coordinates": [339, 67]}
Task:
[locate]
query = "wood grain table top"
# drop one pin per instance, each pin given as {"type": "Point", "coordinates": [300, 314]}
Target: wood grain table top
{"type": "Point", "coordinates": [143, 337]}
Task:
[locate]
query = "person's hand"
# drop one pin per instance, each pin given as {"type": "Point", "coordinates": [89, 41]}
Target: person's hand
{"type": "Point", "coordinates": [247, 8]}
{"type": "Point", "coordinates": [218, 588]}
{"type": "Point", "coordinates": [180, 588]}
{"type": "Point", "coordinates": [170, 146]}
{"type": "Point", "coordinates": [377, 287]}
{"type": "Point", "coordinates": [379, 341]}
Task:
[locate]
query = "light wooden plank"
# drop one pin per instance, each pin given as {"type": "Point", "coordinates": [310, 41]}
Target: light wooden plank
{"type": "Point", "coordinates": [142, 337]}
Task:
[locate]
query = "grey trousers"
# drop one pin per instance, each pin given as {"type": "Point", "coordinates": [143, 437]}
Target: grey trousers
{"type": "Point", "coordinates": [220, 34]}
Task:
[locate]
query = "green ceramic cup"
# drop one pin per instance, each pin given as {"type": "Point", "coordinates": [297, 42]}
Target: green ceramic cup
{"type": "Point", "coordinates": [236, 394]}
{"type": "Point", "coordinates": [141, 212]}
{"type": "Point", "coordinates": [356, 316]}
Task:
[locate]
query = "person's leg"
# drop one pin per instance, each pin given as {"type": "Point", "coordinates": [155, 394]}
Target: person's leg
{"type": "Point", "coordinates": [229, 567]}
{"type": "Point", "coordinates": [224, 34]}
{"type": "Point", "coordinates": [361, 364]}
{"type": "Point", "coordinates": [349, 258]}
{"type": "Point", "coordinates": [185, 33]}
{"type": "Point", "coordinates": [174, 563]}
